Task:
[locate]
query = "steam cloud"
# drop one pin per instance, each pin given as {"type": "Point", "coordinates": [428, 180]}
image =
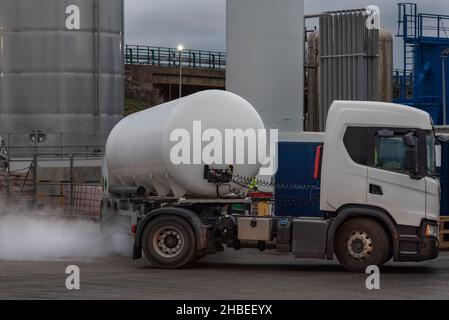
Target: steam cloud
{"type": "Point", "coordinates": [34, 237]}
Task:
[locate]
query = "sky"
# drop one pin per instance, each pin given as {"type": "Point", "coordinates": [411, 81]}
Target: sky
{"type": "Point", "coordinates": [201, 24]}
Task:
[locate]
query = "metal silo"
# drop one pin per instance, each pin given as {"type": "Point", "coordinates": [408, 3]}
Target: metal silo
{"type": "Point", "coordinates": [347, 86]}
{"type": "Point", "coordinates": [61, 70]}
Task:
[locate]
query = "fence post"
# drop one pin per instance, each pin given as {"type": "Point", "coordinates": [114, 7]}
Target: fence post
{"type": "Point", "coordinates": [72, 200]}
{"type": "Point", "coordinates": [8, 177]}
{"type": "Point", "coordinates": [35, 156]}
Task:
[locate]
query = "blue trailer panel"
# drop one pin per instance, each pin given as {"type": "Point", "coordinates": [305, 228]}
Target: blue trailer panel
{"type": "Point", "coordinates": [297, 193]}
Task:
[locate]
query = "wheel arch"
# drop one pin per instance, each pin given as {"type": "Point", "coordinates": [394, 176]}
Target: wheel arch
{"type": "Point", "coordinates": [189, 216]}
{"type": "Point", "coordinates": [350, 212]}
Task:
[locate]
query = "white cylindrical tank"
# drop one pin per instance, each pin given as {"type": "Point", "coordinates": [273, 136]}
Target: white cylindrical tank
{"type": "Point", "coordinates": [139, 147]}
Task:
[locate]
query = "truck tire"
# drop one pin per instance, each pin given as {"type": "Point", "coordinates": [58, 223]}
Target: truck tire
{"type": "Point", "coordinates": [360, 243]}
{"type": "Point", "coordinates": [168, 242]}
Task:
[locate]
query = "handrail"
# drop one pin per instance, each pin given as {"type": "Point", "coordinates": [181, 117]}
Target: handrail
{"type": "Point", "coordinates": [170, 57]}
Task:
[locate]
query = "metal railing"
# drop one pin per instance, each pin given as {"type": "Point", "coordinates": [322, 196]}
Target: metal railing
{"type": "Point", "coordinates": [20, 145]}
{"type": "Point", "coordinates": [171, 57]}
{"type": "Point", "coordinates": [434, 26]}
{"type": "Point", "coordinates": [413, 25]}
{"type": "Point", "coordinates": [61, 187]}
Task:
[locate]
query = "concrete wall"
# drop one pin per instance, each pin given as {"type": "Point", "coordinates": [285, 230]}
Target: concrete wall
{"type": "Point", "coordinates": [265, 58]}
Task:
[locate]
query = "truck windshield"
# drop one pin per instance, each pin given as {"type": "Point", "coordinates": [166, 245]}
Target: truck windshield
{"type": "Point", "coordinates": [431, 158]}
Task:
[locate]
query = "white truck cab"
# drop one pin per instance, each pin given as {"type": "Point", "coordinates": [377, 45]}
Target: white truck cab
{"type": "Point", "coordinates": [380, 157]}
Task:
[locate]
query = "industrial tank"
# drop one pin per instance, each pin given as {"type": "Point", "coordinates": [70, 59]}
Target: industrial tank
{"type": "Point", "coordinates": [385, 78]}
{"type": "Point", "coordinates": [61, 66]}
{"type": "Point", "coordinates": [139, 148]}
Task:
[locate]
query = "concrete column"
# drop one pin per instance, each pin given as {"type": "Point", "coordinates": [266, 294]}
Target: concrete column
{"type": "Point", "coordinates": [265, 59]}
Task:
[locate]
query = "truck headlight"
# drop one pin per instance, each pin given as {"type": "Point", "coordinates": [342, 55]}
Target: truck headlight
{"type": "Point", "coordinates": [432, 231]}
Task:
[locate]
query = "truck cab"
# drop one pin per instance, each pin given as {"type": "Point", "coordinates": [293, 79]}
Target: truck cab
{"type": "Point", "coordinates": [379, 163]}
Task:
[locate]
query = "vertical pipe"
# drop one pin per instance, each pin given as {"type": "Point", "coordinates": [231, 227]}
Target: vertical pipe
{"type": "Point", "coordinates": [8, 181]}
{"type": "Point", "coordinates": [180, 74]}
{"type": "Point", "coordinates": [72, 200]}
{"type": "Point", "coordinates": [97, 65]}
{"type": "Point", "coordinates": [443, 69]}
{"type": "Point", "coordinates": [35, 180]}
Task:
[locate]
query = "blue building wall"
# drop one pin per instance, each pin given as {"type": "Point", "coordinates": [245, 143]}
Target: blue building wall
{"type": "Point", "coordinates": [297, 193]}
{"type": "Point", "coordinates": [444, 177]}
{"type": "Point", "coordinates": [428, 84]}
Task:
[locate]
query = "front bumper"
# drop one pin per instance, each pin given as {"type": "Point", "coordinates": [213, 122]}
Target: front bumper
{"type": "Point", "coordinates": [428, 251]}
{"type": "Point", "coordinates": [426, 244]}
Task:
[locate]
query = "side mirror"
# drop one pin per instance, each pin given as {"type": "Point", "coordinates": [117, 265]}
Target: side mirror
{"type": "Point", "coordinates": [438, 156]}
{"type": "Point", "coordinates": [411, 161]}
{"type": "Point", "coordinates": [410, 141]}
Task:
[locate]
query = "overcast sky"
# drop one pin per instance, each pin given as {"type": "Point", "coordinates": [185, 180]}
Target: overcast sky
{"type": "Point", "coordinates": [201, 24]}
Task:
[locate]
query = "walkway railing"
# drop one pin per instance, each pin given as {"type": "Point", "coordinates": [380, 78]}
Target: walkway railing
{"type": "Point", "coordinates": [171, 57]}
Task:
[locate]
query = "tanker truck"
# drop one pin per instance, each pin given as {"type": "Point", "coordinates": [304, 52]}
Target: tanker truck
{"type": "Point", "coordinates": [379, 192]}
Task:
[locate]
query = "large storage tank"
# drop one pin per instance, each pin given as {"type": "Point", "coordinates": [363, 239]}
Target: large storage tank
{"type": "Point", "coordinates": [314, 116]}
{"type": "Point", "coordinates": [61, 66]}
{"type": "Point", "coordinates": [138, 151]}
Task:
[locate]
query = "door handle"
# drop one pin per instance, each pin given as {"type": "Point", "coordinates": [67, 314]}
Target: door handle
{"type": "Point", "coordinates": [376, 190]}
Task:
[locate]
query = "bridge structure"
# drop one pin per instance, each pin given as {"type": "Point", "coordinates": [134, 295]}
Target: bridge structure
{"type": "Point", "coordinates": [153, 73]}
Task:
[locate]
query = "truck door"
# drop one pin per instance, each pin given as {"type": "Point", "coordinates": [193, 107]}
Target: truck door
{"type": "Point", "coordinates": [390, 185]}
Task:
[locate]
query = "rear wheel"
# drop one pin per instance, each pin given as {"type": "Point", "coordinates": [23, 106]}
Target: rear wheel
{"type": "Point", "coordinates": [360, 243]}
{"type": "Point", "coordinates": [169, 242]}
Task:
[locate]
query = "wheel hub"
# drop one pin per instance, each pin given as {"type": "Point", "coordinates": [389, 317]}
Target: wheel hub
{"type": "Point", "coordinates": [168, 242]}
{"type": "Point", "coordinates": [360, 245]}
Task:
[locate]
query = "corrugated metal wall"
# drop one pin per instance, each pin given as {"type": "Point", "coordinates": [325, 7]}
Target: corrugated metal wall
{"type": "Point", "coordinates": [349, 59]}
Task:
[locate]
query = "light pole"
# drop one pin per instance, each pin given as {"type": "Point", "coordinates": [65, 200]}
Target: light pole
{"type": "Point", "coordinates": [180, 50]}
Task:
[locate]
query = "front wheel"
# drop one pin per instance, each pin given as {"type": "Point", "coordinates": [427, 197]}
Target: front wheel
{"type": "Point", "coordinates": [169, 242]}
{"type": "Point", "coordinates": [361, 243]}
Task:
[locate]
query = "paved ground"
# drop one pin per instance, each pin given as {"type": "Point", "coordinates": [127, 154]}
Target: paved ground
{"type": "Point", "coordinates": [230, 275]}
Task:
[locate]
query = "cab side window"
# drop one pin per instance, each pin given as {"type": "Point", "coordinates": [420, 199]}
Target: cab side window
{"type": "Point", "coordinates": [356, 143]}
{"type": "Point", "coordinates": [390, 150]}
{"type": "Point", "coordinates": [380, 148]}
{"type": "Point", "coordinates": [390, 153]}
